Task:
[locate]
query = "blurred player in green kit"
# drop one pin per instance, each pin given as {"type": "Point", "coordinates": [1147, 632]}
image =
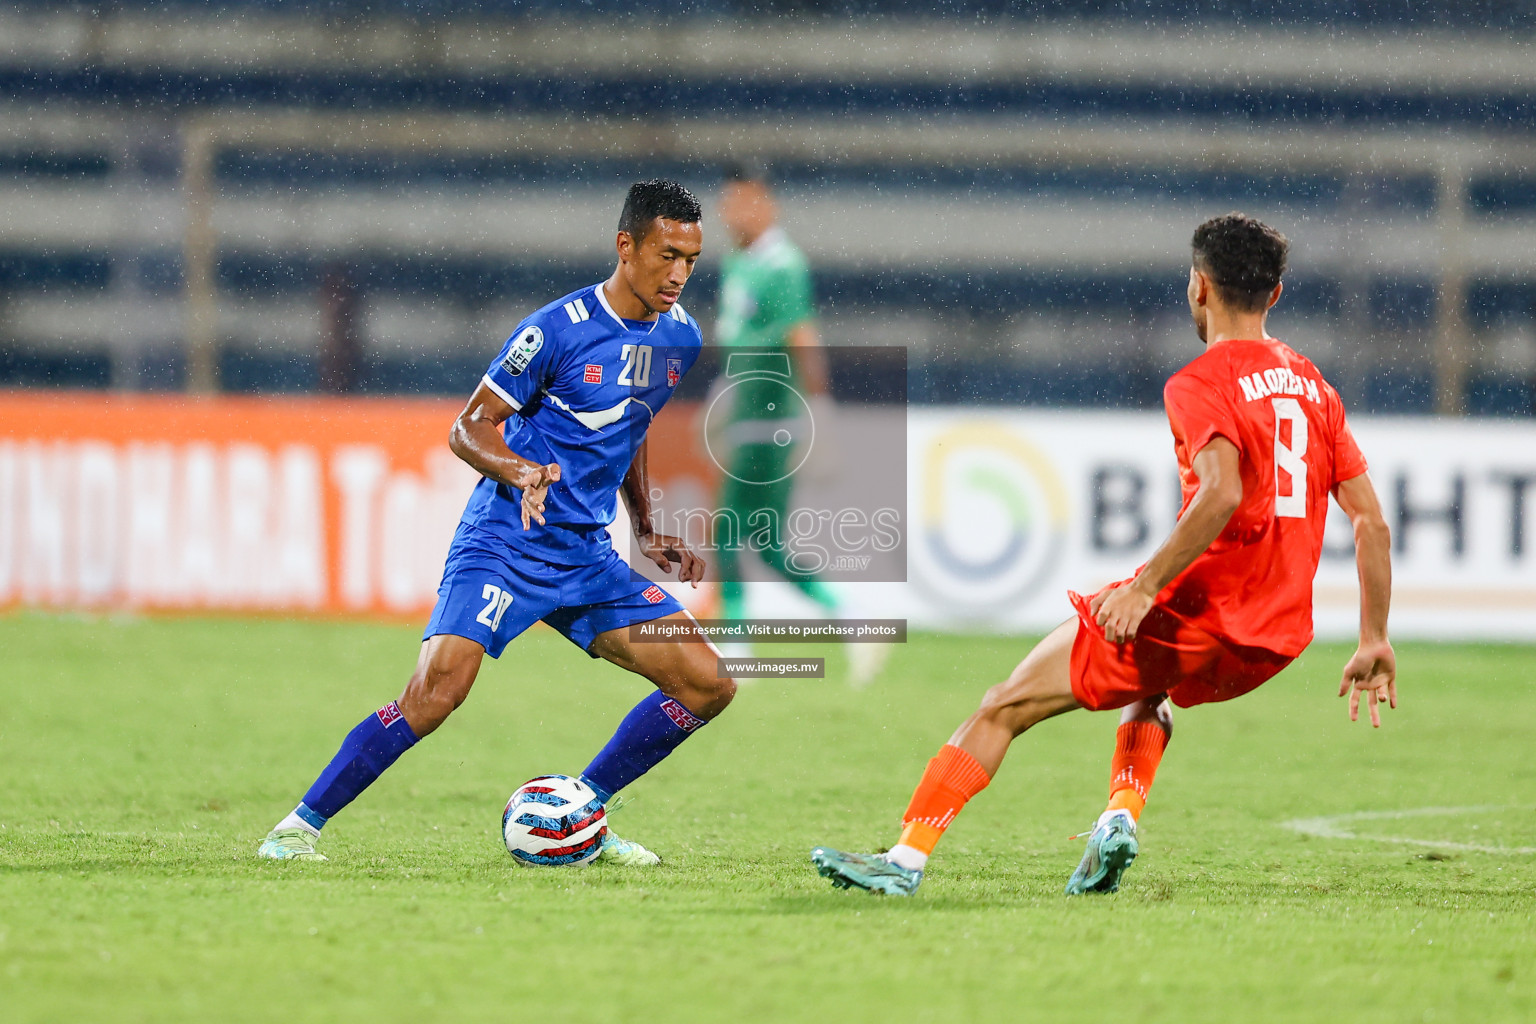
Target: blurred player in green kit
{"type": "Point", "coordinates": [766, 306]}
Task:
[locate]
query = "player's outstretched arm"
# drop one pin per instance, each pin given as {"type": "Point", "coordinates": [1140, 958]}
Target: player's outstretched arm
{"type": "Point", "coordinates": [1218, 465]}
{"type": "Point", "coordinates": [658, 547]}
{"type": "Point", "coordinates": [477, 439]}
{"type": "Point", "coordinates": [1373, 669]}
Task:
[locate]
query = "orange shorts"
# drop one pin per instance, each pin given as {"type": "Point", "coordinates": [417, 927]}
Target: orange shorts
{"type": "Point", "coordinates": [1168, 656]}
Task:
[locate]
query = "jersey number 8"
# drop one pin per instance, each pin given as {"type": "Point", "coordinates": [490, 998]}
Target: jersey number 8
{"type": "Point", "coordinates": [1290, 459]}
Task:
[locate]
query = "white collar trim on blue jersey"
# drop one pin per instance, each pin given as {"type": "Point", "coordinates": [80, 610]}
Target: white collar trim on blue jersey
{"type": "Point", "coordinates": [603, 299]}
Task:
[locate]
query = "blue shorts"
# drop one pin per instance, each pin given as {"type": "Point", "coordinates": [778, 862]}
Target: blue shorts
{"type": "Point", "coordinates": [491, 593]}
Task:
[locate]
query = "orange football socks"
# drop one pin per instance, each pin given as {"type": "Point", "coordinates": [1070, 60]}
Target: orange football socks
{"type": "Point", "coordinates": [1139, 747]}
{"type": "Point", "coordinates": [952, 778]}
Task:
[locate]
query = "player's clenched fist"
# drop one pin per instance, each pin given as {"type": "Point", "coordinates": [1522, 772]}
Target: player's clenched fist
{"type": "Point", "coordinates": [534, 483]}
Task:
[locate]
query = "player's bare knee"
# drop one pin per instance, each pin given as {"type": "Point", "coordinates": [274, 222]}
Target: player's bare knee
{"type": "Point", "coordinates": [708, 696]}
{"type": "Point", "coordinates": [724, 693]}
{"type": "Point", "coordinates": [435, 691]}
{"type": "Point", "coordinates": [423, 711]}
{"type": "Point", "coordinates": [996, 699]}
{"type": "Point", "coordinates": [1011, 706]}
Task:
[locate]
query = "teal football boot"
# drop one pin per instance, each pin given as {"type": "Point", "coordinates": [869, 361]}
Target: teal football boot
{"type": "Point", "coordinates": [868, 871]}
{"type": "Point", "coordinates": [290, 844]}
{"type": "Point", "coordinates": [624, 853]}
{"type": "Point", "coordinates": [1111, 849]}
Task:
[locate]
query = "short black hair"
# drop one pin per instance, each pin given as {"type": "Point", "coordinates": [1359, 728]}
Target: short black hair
{"type": "Point", "coordinates": [1244, 256]}
{"type": "Point", "coordinates": [741, 169]}
{"type": "Point", "coordinates": [658, 197]}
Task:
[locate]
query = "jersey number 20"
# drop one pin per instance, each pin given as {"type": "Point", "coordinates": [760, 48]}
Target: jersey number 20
{"type": "Point", "coordinates": [637, 366]}
{"type": "Point", "coordinates": [496, 603]}
{"type": "Point", "coordinates": [1290, 460]}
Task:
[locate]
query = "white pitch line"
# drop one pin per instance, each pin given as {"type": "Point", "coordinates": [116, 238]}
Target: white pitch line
{"type": "Point", "coordinates": [1333, 827]}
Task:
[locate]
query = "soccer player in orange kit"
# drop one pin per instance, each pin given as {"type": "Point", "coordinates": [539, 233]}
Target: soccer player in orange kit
{"type": "Point", "coordinates": [1222, 606]}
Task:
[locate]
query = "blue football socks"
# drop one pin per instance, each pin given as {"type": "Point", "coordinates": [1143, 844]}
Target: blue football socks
{"type": "Point", "coordinates": [375, 744]}
{"type": "Point", "coordinates": [647, 735]}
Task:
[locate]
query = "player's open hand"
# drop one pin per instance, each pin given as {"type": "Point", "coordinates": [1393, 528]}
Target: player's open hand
{"type": "Point", "coordinates": [1372, 671]}
{"type": "Point", "coordinates": [534, 483]}
{"type": "Point", "coordinates": [1120, 611]}
{"type": "Point", "coordinates": [664, 550]}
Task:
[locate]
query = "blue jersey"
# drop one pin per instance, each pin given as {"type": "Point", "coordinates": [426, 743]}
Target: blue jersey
{"type": "Point", "coordinates": [586, 385]}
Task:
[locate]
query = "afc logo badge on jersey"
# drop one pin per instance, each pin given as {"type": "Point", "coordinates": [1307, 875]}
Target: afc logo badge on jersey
{"type": "Point", "coordinates": [674, 372]}
{"type": "Point", "coordinates": [593, 374]}
{"type": "Point", "coordinates": [654, 594]}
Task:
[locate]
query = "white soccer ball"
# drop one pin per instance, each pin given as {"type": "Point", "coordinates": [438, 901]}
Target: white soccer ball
{"type": "Point", "coordinates": [554, 821]}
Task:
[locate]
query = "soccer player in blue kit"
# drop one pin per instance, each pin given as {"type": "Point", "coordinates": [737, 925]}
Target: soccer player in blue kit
{"type": "Point", "coordinates": [557, 430]}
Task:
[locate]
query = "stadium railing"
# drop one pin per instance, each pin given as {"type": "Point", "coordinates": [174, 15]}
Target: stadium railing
{"type": "Point", "coordinates": [962, 88]}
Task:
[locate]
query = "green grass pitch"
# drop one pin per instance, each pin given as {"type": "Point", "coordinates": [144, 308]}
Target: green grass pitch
{"type": "Point", "coordinates": [141, 761]}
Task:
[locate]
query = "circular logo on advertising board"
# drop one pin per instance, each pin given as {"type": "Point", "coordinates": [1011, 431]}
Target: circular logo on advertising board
{"type": "Point", "coordinates": [991, 516]}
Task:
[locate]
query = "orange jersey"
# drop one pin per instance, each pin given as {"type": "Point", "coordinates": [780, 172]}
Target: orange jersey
{"type": "Point", "coordinates": [1253, 585]}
